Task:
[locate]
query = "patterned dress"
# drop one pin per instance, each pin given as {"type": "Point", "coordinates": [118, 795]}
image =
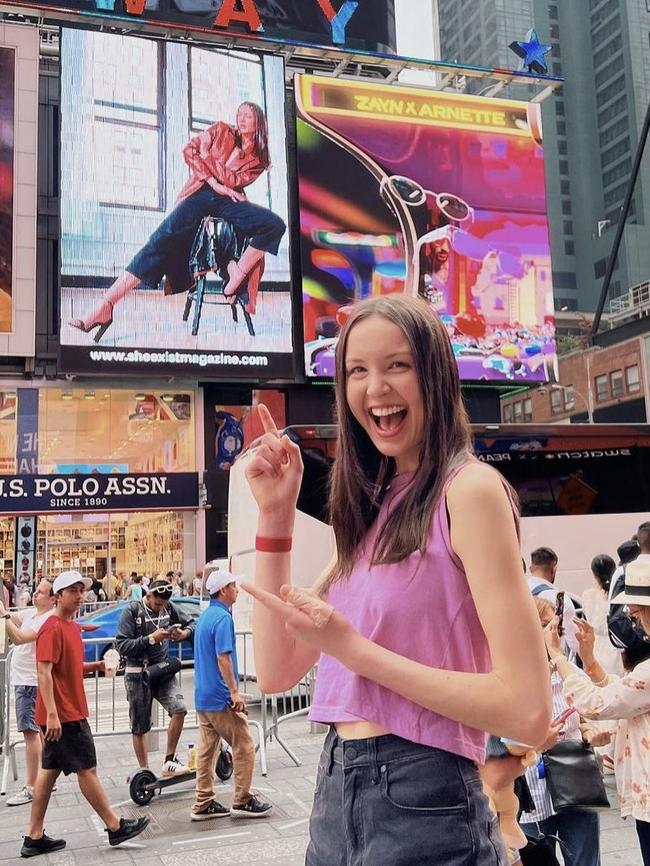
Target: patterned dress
{"type": "Point", "coordinates": [627, 700]}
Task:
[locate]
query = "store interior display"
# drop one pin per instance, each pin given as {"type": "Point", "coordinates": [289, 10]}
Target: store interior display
{"type": "Point", "coordinates": [7, 547]}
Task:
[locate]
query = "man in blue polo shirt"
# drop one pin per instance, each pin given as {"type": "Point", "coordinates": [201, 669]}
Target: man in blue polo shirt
{"type": "Point", "coordinates": [220, 707]}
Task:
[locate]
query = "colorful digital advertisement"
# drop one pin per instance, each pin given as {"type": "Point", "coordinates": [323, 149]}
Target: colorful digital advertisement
{"type": "Point", "coordinates": [174, 209]}
{"type": "Point", "coordinates": [429, 194]}
{"type": "Point", "coordinates": [7, 108]}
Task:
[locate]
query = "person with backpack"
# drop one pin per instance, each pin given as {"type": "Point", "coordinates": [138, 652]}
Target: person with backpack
{"type": "Point", "coordinates": [624, 633]}
{"type": "Point", "coordinates": [145, 629]}
{"type": "Point", "coordinates": [543, 570]}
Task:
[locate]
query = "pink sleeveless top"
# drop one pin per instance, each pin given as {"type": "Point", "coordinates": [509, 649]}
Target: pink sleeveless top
{"type": "Point", "coordinates": [420, 608]}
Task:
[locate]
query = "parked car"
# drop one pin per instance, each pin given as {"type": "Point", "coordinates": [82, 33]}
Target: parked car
{"type": "Point", "coordinates": [103, 624]}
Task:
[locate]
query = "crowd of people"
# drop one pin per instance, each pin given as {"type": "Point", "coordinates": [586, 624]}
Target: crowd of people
{"type": "Point", "coordinates": [406, 622]}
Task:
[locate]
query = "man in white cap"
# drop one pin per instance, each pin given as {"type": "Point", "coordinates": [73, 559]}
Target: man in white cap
{"type": "Point", "coordinates": [62, 713]}
{"type": "Point", "coordinates": [221, 708]}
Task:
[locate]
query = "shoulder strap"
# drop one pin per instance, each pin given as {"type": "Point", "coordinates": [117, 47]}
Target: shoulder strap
{"type": "Point", "coordinates": [539, 589]}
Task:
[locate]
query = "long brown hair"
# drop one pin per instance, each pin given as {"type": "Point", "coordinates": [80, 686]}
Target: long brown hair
{"type": "Point", "coordinates": [360, 473]}
{"type": "Point", "coordinates": [261, 140]}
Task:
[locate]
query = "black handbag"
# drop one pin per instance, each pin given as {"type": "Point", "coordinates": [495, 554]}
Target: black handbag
{"type": "Point", "coordinates": [540, 851]}
{"type": "Point", "coordinates": [573, 777]}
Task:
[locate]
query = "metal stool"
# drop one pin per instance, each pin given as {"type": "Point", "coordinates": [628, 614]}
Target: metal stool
{"type": "Point", "coordinates": [216, 243]}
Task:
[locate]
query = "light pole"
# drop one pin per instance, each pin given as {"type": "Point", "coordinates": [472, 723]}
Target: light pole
{"type": "Point", "coordinates": [588, 403]}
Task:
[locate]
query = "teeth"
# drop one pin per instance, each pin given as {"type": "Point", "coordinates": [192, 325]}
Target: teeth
{"type": "Point", "coordinates": [384, 412]}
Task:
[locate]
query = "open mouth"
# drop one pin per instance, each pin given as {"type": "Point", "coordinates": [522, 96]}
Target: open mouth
{"type": "Point", "coordinates": [389, 419]}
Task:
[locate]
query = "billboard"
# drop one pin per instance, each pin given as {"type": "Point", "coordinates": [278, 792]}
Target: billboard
{"type": "Point", "coordinates": [18, 143]}
{"type": "Point", "coordinates": [357, 25]}
{"type": "Point", "coordinates": [174, 209]}
{"type": "Point", "coordinates": [432, 194]}
{"type": "Point", "coordinates": [7, 111]}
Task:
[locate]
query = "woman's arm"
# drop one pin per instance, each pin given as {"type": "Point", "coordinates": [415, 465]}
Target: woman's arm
{"type": "Point", "coordinates": [514, 699]}
{"type": "Point", "coordinates": [274, 474]}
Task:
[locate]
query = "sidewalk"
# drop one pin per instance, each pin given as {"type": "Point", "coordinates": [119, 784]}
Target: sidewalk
{"type": "Point", "coordinates": [173, 840]}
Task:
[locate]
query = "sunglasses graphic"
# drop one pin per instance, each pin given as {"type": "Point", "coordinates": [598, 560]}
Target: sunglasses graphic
{"type": "Point", "coordinates": [413, 194]}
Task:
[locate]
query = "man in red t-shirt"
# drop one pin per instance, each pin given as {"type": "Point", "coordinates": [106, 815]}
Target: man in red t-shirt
{"type": "Point", "coordinates": [62, 713]}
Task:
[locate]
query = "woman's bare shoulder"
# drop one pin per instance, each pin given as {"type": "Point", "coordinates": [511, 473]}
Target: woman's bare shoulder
{"type": "Point", "coordinates": [475, 479]}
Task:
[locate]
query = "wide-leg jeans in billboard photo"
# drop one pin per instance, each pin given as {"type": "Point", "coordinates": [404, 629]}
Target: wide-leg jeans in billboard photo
{"type": "Point", "coordinates": [167, 252]}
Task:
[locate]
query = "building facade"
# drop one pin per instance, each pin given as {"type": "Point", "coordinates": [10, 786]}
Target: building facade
{"type": "Point", "coordinates": [591, 129]}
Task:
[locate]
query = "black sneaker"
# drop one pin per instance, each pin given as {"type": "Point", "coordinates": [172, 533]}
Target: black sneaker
{"type": "Point", "coordinates": [255, 808]}
{"type": "Point", "coordinates": [212, 810]}
{"type": "Point", "coordinates": [129, 828]}
{"type": "Point", "coordinates": [44, 845]}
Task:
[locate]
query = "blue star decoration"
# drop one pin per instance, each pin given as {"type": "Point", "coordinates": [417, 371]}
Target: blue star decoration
{"type": "Point", "coordinates": [532, 52]}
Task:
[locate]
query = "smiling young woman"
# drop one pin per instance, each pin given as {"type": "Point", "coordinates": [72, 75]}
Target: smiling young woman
{"type": "Point", "coordinates": [413, 617]}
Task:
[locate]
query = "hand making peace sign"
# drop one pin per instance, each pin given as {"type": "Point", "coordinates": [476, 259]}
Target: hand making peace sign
{"type": "Point", "coordinates": [274, 469]}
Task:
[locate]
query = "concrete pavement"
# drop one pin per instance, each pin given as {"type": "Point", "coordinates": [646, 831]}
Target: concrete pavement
{"type": "Point", "coordinates": [173, 840]}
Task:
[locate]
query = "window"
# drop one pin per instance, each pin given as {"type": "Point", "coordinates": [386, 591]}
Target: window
{"type": "Point", "coordinates": [632, 379]}
{"type": "Point", "coordinates": [517, 410]}
{"type": "Point", "coordinates": [562, 148]}
{"type": "Point", "coordinates": [556, 401]}
{"type": "Point", "coordinates": [621, 170]}
{"type": "Point", "coordinates": [565, 280]}
{"type": "Point", "coordinates": [128, 105]}
{"type": "Point", "coordinates": [565, 187]}
{"type": "Point", "coordinates": [569, 248]}
{"type": "Point", "coordinates": [559, 108]}
{"type": "Point", "coordinates": [567, 226]}
{"type": "Point", "coordinates": [564, 166]}
{"type": "Point", "coordinates": [569, 398]}
{"type": "Point", "coordinates": [561, 127]}
{"type": "Point", "coordinates": [602, 388]}
{"type": "Point", "coordinates": [528, 409]}
{"type": "Point", "coordinates": [616, 381]}
{"type": "Point", "coordinates": [566, 207]}
{"type": "Point", "coordinates": [552, 12]}
{"type": "Point", "coordinates": [507, 413]}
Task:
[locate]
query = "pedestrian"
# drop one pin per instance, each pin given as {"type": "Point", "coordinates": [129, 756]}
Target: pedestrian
{"type": "Point", "coordinates": [577, 829]}
{"type": "Point", "coordinates": [596, 607]}
{"type": "Point", "coordinates": [62, 713]}
{"type": "Point", "coordinates": [411, 620]}
{"type": "Point", "coordinates": [143, 634]}
{"type": "Point", "coordinates": [135, 592]}
{"type": "Point", "coordinates": [23, 628]}
{"type": "Point", "coordinates": [624, 633]}
{"type": "Point", "coordinates": [220, 706]}
{"type": "Point", "coordinates": [625, 699]}
{"type": "Point", "coordinates": [543, 571]}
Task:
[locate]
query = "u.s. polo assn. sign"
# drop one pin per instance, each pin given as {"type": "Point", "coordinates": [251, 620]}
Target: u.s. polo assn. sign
{"type": "Point", "coordinates": [42, 494]}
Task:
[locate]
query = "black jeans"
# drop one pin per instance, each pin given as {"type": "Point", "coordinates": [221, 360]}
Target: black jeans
{"type": "Point", "coordinates": [643, 832]}
{"type": "Point", "coordinates": [386, 801]}
{"type": "Point", "coordinates": [167, 252]}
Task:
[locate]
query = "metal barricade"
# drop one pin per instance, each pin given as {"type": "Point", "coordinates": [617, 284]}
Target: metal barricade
{"type": "Point", "coordinates": [8, 745]}
{"type": "Point", "coordinates": [109, 713]}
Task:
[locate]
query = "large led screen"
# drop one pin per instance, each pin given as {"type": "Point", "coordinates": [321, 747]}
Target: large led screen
{"type": "Point", "coordinates": [432, 194]}
{"type": "Point", "coordinates": [7, 107]}
{"type": "Point", "coordinates": [174, 207]}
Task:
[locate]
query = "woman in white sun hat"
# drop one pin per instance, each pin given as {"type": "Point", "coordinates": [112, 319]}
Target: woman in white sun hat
{"type": "Point", "coordinates": [599, 695]}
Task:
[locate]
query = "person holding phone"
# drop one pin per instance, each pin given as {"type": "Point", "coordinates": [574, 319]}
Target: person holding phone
{"type": "Point", "coordinates": [543, 571]}
{"type": "Point", "coordinates": [578, 830]}
{"type": "Point", "coordinates": [416, 653]}
{"type": "Point", "coordinates": [143, 638]}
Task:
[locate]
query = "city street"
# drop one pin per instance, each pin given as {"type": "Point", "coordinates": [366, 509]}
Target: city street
{"type": "Point", "coordinates": [172, 839]}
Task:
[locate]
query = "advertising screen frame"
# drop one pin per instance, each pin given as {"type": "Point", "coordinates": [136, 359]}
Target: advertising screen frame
{"type": "Point", "coordinates": [319, 23]}
{"type": "Point", "coordinates": [430, 169]}
{"type": "Point", "coordinates": [23, 41]}
{"type": "Point", "coordinates": [223, 362]}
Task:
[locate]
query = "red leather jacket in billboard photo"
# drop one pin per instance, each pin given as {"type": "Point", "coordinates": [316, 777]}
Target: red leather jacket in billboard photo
{"type": "Point", "coordinates": [214, 153]}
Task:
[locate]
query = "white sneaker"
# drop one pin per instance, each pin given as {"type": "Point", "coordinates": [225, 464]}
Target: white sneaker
{"type": "Point", "coordinates": [21, 798]}
{"type": "Point", "coordinates": [174, 768]}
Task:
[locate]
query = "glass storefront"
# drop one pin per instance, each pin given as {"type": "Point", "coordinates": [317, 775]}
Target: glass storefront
{"type": "Point", "coordinates": [97, 432]}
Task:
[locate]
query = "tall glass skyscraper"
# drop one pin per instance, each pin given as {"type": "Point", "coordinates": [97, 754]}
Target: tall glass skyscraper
{"type": "Point", "coordinates": [591, 126]}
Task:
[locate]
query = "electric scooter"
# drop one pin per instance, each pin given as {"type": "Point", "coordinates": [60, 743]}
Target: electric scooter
{"type": "Point", "coordinates": [144, 784]}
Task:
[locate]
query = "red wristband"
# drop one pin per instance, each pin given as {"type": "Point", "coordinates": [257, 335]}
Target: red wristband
{"type": "Point", "coordinates": [272, 545]}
